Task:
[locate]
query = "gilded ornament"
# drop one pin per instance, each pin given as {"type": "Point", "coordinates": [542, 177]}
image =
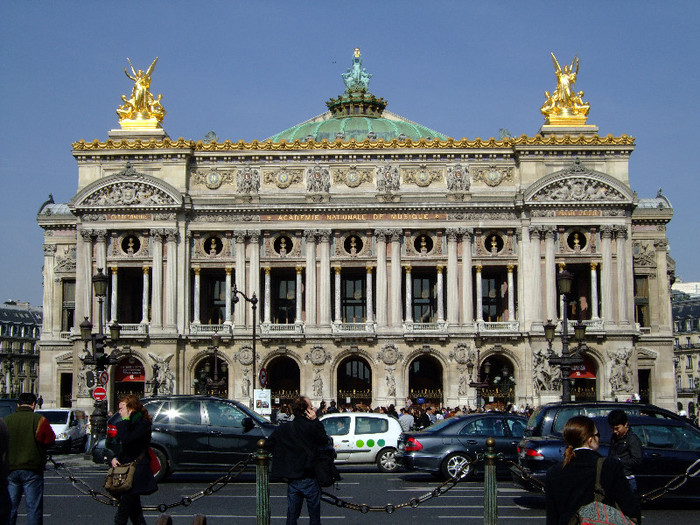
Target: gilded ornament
{"type": "Point", "coordinates": [493, 175]}
{"type": "Point", "coordinates": [141, 111]}
{"type": "Point", "coordinates": [565, 107]}
{"type": "Point", "coordinates": [422, 176]}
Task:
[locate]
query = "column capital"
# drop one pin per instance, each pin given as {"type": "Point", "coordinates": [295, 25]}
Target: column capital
{"type": "Point", "coordinates": [407, 267]}
{"type": "Point", "coordinates": [536, 232]}
{"type": "Point", "coordinates": [550, 232]}
{"type": "Point", "coordinates": [310, 235]}
{"type": "Point", "coordinates": [594, 265]}
{"type": "Point", "coordinates": [171, 235]}
{"type": "Point", "coordinates": [381, 234]}
{"type": "Point", "coordinates": [439, 268]}
{"type": "Point", "coordinates": [561, 266]}
{"type": "Point", "coordinates": [396, 234]}
{"type": "Point", "coordinates": [324, 235]}
{"type": "Point", "coordinates": [254, 236]}
{"type": "Point", "coordinates": [100, 234]}
{"type": "Point", "coordinates": [240, 236]}
{"type": "Point", "coordinates": [114, 269]}
{"type": "Point", "coordinates": [49, 249]}
{"type": "Point", "coordinates": [369, 268]}
{"type": "Point", "coordinates": [478, 267]}
{"type": "Point", "coordinates": [146, 269]}
{"type": "Point", "coordinates": [229, 269]}
{"type": "Point", "coordinates": [337, 269]}
{"type": "Point", "coordinates": [86, 235]}
{"type": "Point", "coordinates": [510, 268]}
{"type": "Point", "coordinates": [661, 244]}
{"type": "Point", "coordinates": [621, 232]}
{"type": "Point", "coordinates": [299, 269]}
{"type": "Point", "coordinates": [606, 231]}
{"type": "Point", "coordinates": [196, 270]}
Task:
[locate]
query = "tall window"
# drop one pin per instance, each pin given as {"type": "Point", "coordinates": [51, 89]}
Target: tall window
{"type": "Point", "coordinates": [68, 304]}
{"type": "Point", "coordinates": [352, 298]}
{"type": "Point", "coordinates": [641, 300]}
{"type": "Point", "coordinates": [494, 297]}
{"type": "Point", "coordinates": [213, 297]}
{"type": "Point", "coordinates": [424, 298]}
{"type": "Point", "coordinates": [284, 300]}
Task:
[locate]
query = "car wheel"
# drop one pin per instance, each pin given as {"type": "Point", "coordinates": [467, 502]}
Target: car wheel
{"type": "Point", "coordinates": [386, 460]}
{"type": "Point", "coordinates": [453, 463]}
{"type": "Point", "coordinates": [164, 471]}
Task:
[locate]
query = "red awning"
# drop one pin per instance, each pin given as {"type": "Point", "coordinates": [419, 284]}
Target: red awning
{"type": "Point", "coordinates": [586, 370]}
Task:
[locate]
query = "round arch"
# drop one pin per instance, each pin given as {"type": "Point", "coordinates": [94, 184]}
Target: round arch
{"type": "Point", "coordinates": [425, 380]}
{"type": "Point", "coordinates": [586, 378]}
{"type": "Point", "coordinates": [498, 368]}
{"type": "Point", "coordinates": [354, 381]}
{"type": "Point", "coordinates": [129, 376]}
{"type": "Point", "coordinates": [283, 379]}
{"type": "Point", "coordinates": [210, 374]}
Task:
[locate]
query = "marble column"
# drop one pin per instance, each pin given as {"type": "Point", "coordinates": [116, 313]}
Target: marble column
{"type": "Point", "coordinates": [254, 278]}
{"type": "Point", "coordinates": [195, 316]}
{"type": "Point", "coordinates": [440, 295]}
{"type": "Point", "coordinates": [622, 299]}
{"type": "Point", "coordinates": [409, 295]}
{"type": "Point", "coordinates": [83, 278]}
{"type": "Point", "coordinates": [467, 281]}
{"type": "Point", "coordinates": [113, 305]}
{"type": "Point", "coordinates": [146, 295]}
{"type": "Point", "coordinates": [47, 321]}
{"type": "Point", "coordinates": [240, 278]}
{"type": "Point", "coordinates": [157, 280]}
{"type": "Point", "coordinates": [171, 238]}
{"type": "Point", "coordinates": [325, 278]}
{"type": "Point", "coordinates": [338, 316]}
{"type": "Point", "coordinates": [311, 277]}
{"type": "Point", "coordinates": [395, 291]}
{"type": "Point", "coordinates": [370, 300]}
{"type": "Point", "coordinates": [562, 313]}
{"type": "Point", "coordinates": [606, 279]}
{"type": "Point", "coordinates": [594, 291]}
{"type": "Point", "coordinates": [479, 296]}
{"type": "Point", "coordinates": [534, 282]}
{"type": "Point", "coordinates": [298, 295]}
{"type": "Point", "coordinates": [664, 292]}
{"type": "Point", "coordinates": [101, 250]}
{"type": "Point", "coordinates": [382, 288]}
{"type": "Point", "coordinates": [452, 272]}
{"type": "Point", "coordinates": [229, 290]}
{"type": "Point", "coordinates": [550, 274]}
{"type": "Point", "coordinates": [511, 294]}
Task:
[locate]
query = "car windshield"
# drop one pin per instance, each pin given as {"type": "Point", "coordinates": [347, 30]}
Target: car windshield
{"type": "Point", "coordinates": [55, 417]}
{"type": "Point", "coordinates": [440, 425]}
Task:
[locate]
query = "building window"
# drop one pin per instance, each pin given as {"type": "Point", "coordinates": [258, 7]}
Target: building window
{"type": "Point", "coordinates": [284, 299]}
{"type": "Point", "coordinates": [676, 326]}
{"type": "Point", "coordinates": [641, 300]}
{"type": "Point", "coordinates": [213, 297]}
{"type": "Point", "coordinates": [689, 364]}
{"type": "Point", "coordinates": [352, 298]}
{"type": "Point", "coordinates": [494, 295]}
{"type": "Point", "coordinates": [424, 298]}
{"type": "Point", "coordinates": [690, 381]}
{"type": "Point", "coordinates": [68, 305]}
{"type": "Point", "coordinates": [688, 325]}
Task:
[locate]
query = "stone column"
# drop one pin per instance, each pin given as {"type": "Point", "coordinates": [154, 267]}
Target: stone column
{"type": "Point", "coordinates": [101, 250]}
{"type": "Point", "coordinates": [440, 295]}
{"type": "Point", "coordinates": [594, 291]}
{"type": "Point", "coordinates": [157, 280]}
{"type": "Point", "coordinates": [664, 293]}
{"type": "Point", "coordinates": [409, 295]}
{"type": "Point", "coordinates": [452, 284]}
{"type": "Point", "coordinates": [606, 280]}
{"type": "Point", "coordinates": [534, 282]}
{"type": "Point", "coordinates": [370, 310]}
{"type": "Point", "coordinates": [338, 317]}
{"type": "Point", "coordinates": [146, 295]}
{"type": "Point", "coordinates": [254, 265]}
{"type": "Point", "coordinates": [511, 294]}
{"type": "Point", "coordinates": [229, 290]}
{"type": "Point", "coordinates": [83, 278]}
{"type": "Point", "coordinates": [310, 277]}
{"type": "Point", "coordinates": [395, 291]}
{"type": "Point", "coordinates": [467, 281]}
{"type": "Point", "coordinates": [113, 305]}
{"type": "Point", "coordinates": [622, 299]}
{"type": "Point", "coordinates": [195, 315]}
{"type": "Point", "coordinates": [479, 297]}
{"type": "Point", "coordinates": [171, 279]}
{"type": "Point", "coordinates": [382, 289]}
{"type": "Point", "coordinates": [240, 277]}
{"type": "Point", "coordinates": [47, 325]}
{"type": "Point", "coordinates": [298, 295]}
{"type": "Point", "coordinates": [325, 277]}
{"type": "Point", "coordinates": [563, 314]}
{"type": "Point", "coordinates": [550, 274]}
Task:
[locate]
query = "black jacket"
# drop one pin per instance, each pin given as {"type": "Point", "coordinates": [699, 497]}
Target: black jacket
{"type": "Point", "coordinates": [289, 459]}
{"type": "Point", "coordinates": [571, 487]}
{"type": "Point", "coordinates": [628, 449]}
{"type": "Point", "coordinates": [134, 438]}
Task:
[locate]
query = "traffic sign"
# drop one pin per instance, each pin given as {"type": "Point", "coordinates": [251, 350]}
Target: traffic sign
{"type": "Point", "coordinates": [104, 378]}
{"type": "Point", "coordinates": [99, 394]}
{"type": "Point", "coordinates": [263, 377]}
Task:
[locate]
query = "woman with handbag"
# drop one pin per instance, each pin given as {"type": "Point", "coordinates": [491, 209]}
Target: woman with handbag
{"type": "Point", "coordinates": [571, 485]}
{"type": "Point", "coordinates": [133, 441]}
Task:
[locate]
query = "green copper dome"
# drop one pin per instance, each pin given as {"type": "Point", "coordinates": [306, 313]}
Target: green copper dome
{"type": "Point", "coordinates": [357, 114]}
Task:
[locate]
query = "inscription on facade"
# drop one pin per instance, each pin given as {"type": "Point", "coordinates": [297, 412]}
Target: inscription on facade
{"type": "Point", "coordinates": [320, 217]}
{"type": "Point", "coordinates": [573, 213]}
{"type": "Point", "coordinates": [129, 216]}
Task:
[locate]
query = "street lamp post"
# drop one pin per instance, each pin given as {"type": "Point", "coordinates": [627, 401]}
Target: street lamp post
{"type": "Point", "coordinates": [568, 358]}
{"type": "Point", "coordinates": [95, 353]}
{"type": "Point", "coordinates": [214, 384]}
{"type": "Point", "coordinates": [253, 300]}
{"type": "Point", "coordinates": [478, 384]}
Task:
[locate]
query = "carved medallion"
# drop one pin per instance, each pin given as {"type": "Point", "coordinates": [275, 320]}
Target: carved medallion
{"type": "Point", "coordinates": [389, 354]}
{"type": "Point", "coordinates": [212, 180]}
{"type": "Point", "coordinates": [318, 355]}
{"type": "Point", "coordinates": [245, 356]}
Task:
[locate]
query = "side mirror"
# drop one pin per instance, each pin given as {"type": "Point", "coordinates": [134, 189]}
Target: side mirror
{"type": "Point", "coordinates": [248, 424]}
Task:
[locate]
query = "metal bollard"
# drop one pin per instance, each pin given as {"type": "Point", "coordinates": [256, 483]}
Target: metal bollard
{"type": "Point", "coordinates": [164, 520]}
{"type": "Point", "coordinates": [199, 519]}
{"type": "Point", "coordinates": [262, 485]}
{"type": "Point", "coordinates": [490, 488]}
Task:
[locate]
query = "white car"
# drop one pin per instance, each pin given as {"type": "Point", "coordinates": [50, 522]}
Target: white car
{"type": "Point", "coordinates": [70, 427]}
{"type": "Point", "coordinates": [362, 437]}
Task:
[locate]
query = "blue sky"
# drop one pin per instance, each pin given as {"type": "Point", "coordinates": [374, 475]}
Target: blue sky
{"type": "Point", "coordinates": [248, 70]}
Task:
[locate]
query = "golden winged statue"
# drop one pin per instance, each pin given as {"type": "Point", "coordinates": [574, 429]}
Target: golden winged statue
{"type": "Point", "coordinates": [565, 106]}
{"type": "Point", "coordinates": [142, 110]}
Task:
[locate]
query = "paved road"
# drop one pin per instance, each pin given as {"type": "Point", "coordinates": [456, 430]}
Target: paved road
{"type": "Point", "coordinates": [235, 503]}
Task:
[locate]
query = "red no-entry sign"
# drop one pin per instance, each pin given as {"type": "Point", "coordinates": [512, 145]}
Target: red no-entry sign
{"type": "Point", "coordinates": [99, 394]}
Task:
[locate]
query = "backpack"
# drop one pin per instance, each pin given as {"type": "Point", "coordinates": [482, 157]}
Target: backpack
{"type": "Point", "coordinates": [597, 512]}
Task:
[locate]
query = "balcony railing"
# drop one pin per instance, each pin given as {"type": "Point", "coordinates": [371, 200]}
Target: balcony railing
{"type": "Point", "coordinates": [132, 329]}
{"type": "Point", "coordinates": [272, 329]}
{"type": "Point", "coordinates": [65, 336]}
{"type": "Point", "coordinates": [498, 326]}
{"type": "Point", "coordinates": [349, 329]}
{"type": "Point", "coordinates": [425, 328]}
{"type": "Point", "coordinates": [210, 329]}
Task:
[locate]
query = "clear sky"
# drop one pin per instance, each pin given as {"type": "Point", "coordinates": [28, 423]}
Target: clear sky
{"type": "Point", "coordinates": [247, 70]}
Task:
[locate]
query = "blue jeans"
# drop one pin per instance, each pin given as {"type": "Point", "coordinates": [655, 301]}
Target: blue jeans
{"type": "Point", "coordinates": [297, 491]}
{"type": "Point", "coordinates": [31, 484]}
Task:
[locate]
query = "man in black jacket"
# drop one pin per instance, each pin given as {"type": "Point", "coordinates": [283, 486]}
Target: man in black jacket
{"type": "Point", "coordinates": [291, 462]}
{"type": "Point", "coordinates": [625, 446]}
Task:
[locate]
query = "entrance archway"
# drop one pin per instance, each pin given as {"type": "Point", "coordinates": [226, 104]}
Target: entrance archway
{"type": "Point", "coordinates": [499, 372]}
{"type": "Point", "coordinates": [284, 379]}
{"type": "Point", "coordinates": [425, 381]}
{"type": "Point", "coordinates": [583, 380]}
{"type": "Point", "coordinates": [354, 381]}
{"type": "Point", "coordinates": [129, 378]}
{"type": "Point", "coordinates": [211, 376]}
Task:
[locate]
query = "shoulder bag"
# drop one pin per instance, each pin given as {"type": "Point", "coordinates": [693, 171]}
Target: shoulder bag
{"type": "Point", "coordinates": [120, 479]}
{"type": "Point", "coordinates": [322, 462]}
{"type": "Point", "coordinates": [597, 512]}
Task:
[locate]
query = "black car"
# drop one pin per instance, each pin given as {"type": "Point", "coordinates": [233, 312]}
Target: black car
{"type": "Point", "coordinates": [7, 407]}
{"type": "Point", "coordinates": [670, 446]}
{"type": "Point", "coordinates": [443, 448]}
{"type": "Point", "coordinates": [196, 433]}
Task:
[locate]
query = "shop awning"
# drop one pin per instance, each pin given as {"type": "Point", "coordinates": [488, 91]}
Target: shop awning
{"type": "Point", "coordinates": [586, 370]}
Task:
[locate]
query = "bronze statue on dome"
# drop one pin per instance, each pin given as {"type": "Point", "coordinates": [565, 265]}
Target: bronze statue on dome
{"type": "Point", "coordinates": [356, 78]}
{"type": "Point", "coordinates": [565, 106]}
{"type": "Point", "coordinates": [141, 106]}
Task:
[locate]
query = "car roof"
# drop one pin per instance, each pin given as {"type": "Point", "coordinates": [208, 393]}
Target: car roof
{"type": "Point", "coordinates": [356, 414]}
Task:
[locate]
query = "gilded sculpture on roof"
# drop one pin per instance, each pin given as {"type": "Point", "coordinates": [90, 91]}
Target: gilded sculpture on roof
{"type": "Point", "coordinates": [565, 106]}
{"type": "Point", "coordinates": [141, 110]}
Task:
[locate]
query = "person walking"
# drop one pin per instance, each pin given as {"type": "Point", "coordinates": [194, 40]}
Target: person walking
{"type": "Point", "coordinates": [30, 436]}
{"type": "Point", "coordinates": [571, 485]}
{"type": "Point", "coordinates": [290, 461]}
{"type": "Point", "coordinates": [133, 440]}
{"type": "Point", "coordinates": [625, 446]}
{"type": "Point", "coordinates": [406, 420]}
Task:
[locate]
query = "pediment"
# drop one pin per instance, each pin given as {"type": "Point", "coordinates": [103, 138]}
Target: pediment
{"type": "Point", "coordinates": [647, 353]}
{"type": "Point", "coordinates": [127, 189]}
{"type": "Point", "coordinates": [577, 184]}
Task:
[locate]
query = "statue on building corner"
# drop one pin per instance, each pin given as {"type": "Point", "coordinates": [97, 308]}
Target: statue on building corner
{"type": "Point", "coordinates": [565, 106]}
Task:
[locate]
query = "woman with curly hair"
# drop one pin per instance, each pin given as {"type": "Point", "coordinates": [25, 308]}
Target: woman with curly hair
{"type": "Point", "coordinates": [133, 440]}
{"type": "Point", "coordinates": [570, 485]}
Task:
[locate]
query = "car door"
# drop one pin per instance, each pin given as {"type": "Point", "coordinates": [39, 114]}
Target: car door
{"type": "Point", "coordinates": [515, 427]}
{"type": "Point", "coordinates": [177, 426]}
{"type": "Point", "coordinates": [473, 435]}
{"type": "Point", "coordinates": [340, 428]}
{"type": "Point", "coordinates": [229, 440]}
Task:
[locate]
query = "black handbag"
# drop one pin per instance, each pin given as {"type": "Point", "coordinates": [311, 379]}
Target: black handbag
{"type": "Point", "coordinates": [322, 463]}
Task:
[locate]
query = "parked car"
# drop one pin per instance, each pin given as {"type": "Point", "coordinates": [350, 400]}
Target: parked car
{"type": "Point", "coordinates": [70, 427]}
{"type": "Point", "coordinates": [196, 433]}
{"type": "Point", "coordinates": [7, 407]}
{"type": "Point", "coordinates": [445, 447]}
{"type": "Point", "coordinates": [669, 446]}
{"type": "Point", "coordinates": [360, 437]}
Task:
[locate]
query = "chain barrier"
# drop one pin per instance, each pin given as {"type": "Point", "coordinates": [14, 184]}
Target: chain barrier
{"type": "Point", "coordinates": [691, 472]}
{"type": "Point", "coordinates": [107, 499]}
